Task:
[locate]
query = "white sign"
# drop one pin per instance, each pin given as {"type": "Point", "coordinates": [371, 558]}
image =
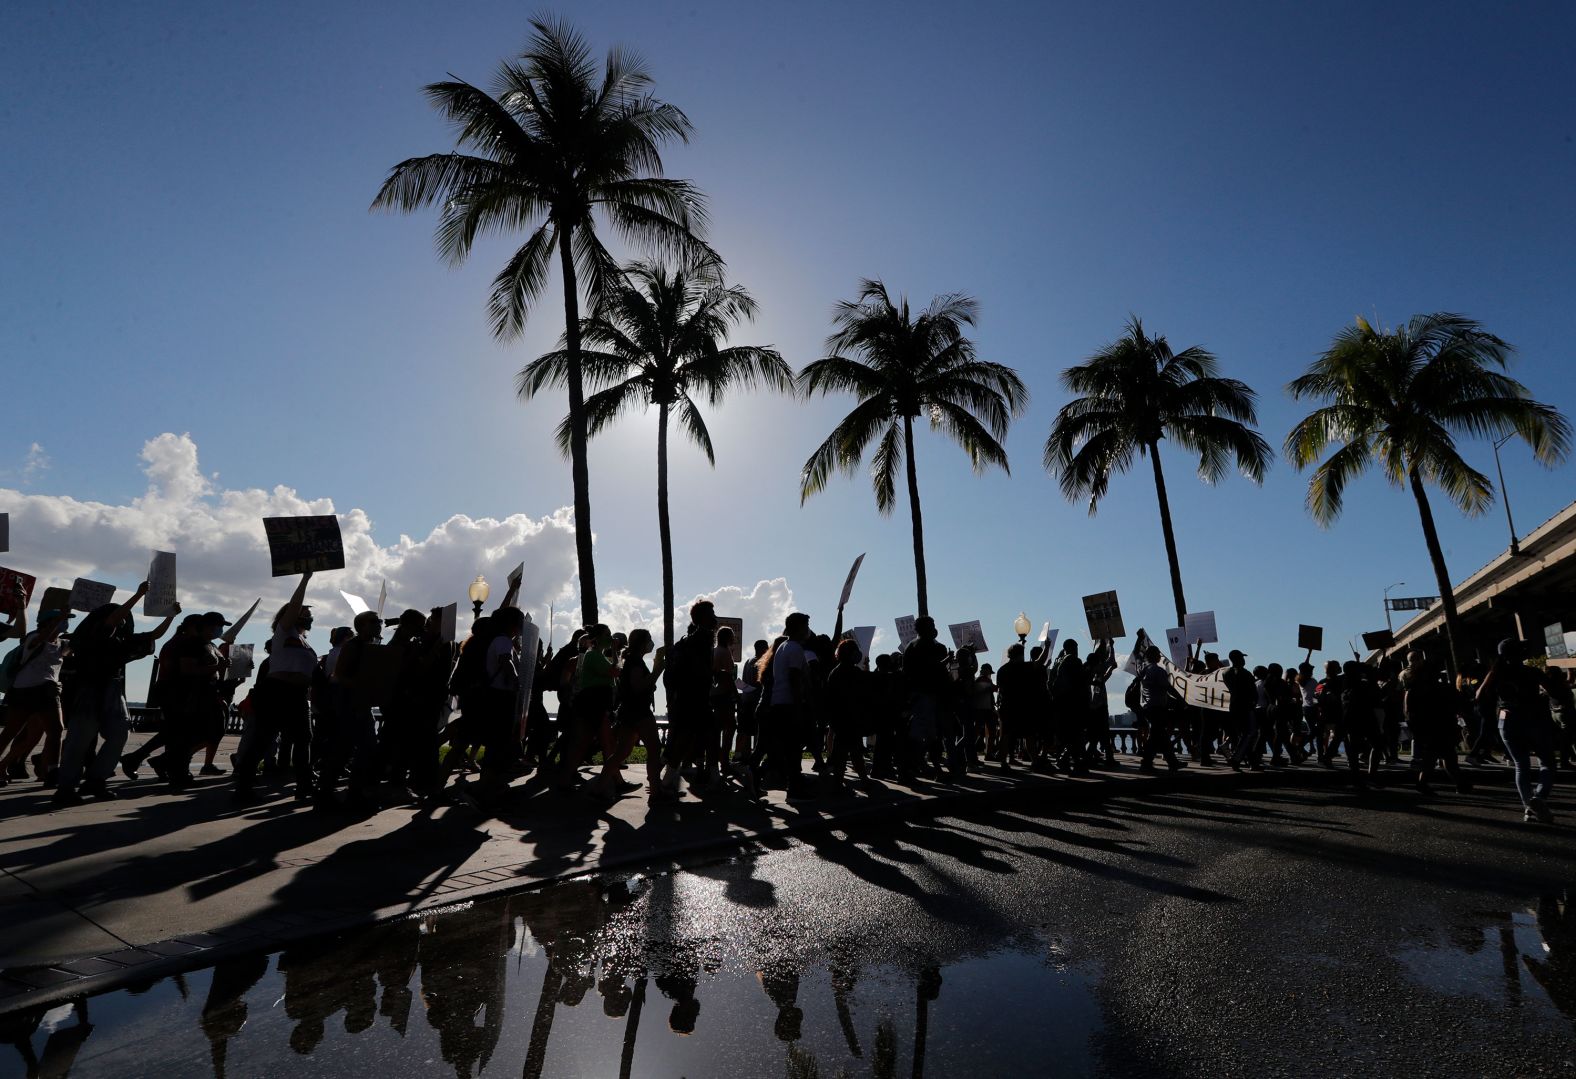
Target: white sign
{"type": "Point", "coordinates": [241, 656]}
{"type": "Point", "coordinates": [1199, 690]}
{"type": "Point", "coordinates": [1176, 644]}
{"type": "Point", "coordinates": [383, 597]}
{"type": "Point", "coordinates": [235, 630]}
{"type": "Point", "coordinates": [517, 575]}
{"type": "Point", "coordinates": [358, 606]}
{"type": "Point", "coordinates": [160, 600]}
{"type": "Point", "coordinates": [848, 585]}
{"type": "Point", "coordinates": [1048, 639]}
{"type": "Point", "coordinates": [969, 633]}
{"type": "Point", "coordinates": [864, 637]}
{"type": "Point", "coordinates": [1200, 627]}
{"type": "Point", "coordinates": [449, 622]}
{"type": "Point", "coordinates": [905, 632]}
{"type": "Point", "coordinates": [1134, 661]}
{"type": "Point", "coordinates": [86, 594]}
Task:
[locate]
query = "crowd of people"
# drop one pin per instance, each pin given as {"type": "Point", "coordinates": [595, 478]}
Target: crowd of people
{"type": "Point", "coordinates": [392, 710]}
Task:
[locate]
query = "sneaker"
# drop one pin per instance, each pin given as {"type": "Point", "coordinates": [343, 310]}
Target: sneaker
{"type": "Point", "coordinates": [210, 770]}
{"type": "Point", "coordinates": [99, 792]}
{"type": "Point", "coordinates": [128, 765]}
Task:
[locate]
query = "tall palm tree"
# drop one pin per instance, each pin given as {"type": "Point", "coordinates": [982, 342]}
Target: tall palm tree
{"type": "Point", "coordinates": [904, 368]}
{"type": "Point", "coordinates": [1397, 398]}
{"type": "Point", "coordinates": [1136, 392]}
{"type": "Point", "coordinates": [557, 144]}
{"type": "Point", "coordinates": [655, 340]}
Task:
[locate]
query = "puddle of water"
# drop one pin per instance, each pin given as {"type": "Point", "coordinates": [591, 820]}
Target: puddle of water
{"type": "Point", "coordinates": [587, 979]}
{"type": "Point", "coordinates": [1525, 959]}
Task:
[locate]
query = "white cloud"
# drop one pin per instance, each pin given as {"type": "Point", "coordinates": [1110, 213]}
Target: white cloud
{"type": "Point", "coordinates": [36, 462]}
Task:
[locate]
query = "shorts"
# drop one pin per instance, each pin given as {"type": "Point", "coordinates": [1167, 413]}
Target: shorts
{"type": "Point", "coordinates": [44, 697]}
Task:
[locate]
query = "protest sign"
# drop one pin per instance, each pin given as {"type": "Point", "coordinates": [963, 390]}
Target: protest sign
{"type": "Point", "coordinates": [10, 581]}
{"type": "Point", "coordinates": [298, 544]}
{"type": "Point", "coordinates": [1048, 638]}
{"type": "Point", "coordinates": [530, 637]}
{"type": "Point", "coordinates": [516, 575]}
{"type": "Point", "coordinates": [160, 600]}
{"type": "Point", "coordinates": [1199, 690]}
{"type": "Point", "coordinates": [1311, 637]}
{"type": "Point", "coordinates": [1554, 641]}
{"type": "Point", "coordinates": [737, 625]}
{"type": "Point", "coordinates": [383, 597]}
{"type": "Point", "coordinates": [1379, 639]}
{"type": "Point", "coordinates": [234, 630]}
{"type": "Point", "coordinates": [905, 632]}
{"type": "Point", "coordinates": [1105, 616]}
{"type": "Point", "coordinates": [358, 606]}
{"type": "Point", "coordinates": [55, 599]}
{"type": "Point", "coordinates": [848, 585]}
{"type": "Point", "coordinates": [1176, 644]}
{"type": "Point", "coordinates": [449, 622]}
{"type": "Point", "coordinates": [1135, 659]}
{"type": "Point", "coordinates": [5, 532]}
{"type": "Point", "coordinates": [865, 638]}
{"type": "Point", "coordinates": [86, 594]}
{"type": "Point", "coordinates": [241, 656]}
{"type": "Point", "coordinates": [969, 633]}
{"type": "Point", "coordinates": [1199, 627]}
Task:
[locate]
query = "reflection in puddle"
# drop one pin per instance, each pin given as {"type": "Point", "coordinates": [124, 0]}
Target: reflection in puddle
{"type": "Point", "coordinates": [636, 976]}
{"type": "Point", "coordinates": [1525, 958]}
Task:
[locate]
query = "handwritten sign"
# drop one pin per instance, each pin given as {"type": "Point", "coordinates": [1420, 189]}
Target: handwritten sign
{"type": "Point", "coordinates": [905, 632]}
{"type": "Point", "coordinates": [10, 580]}
{"type": "Point", "coordinates": [298, 544]}
{"type": "Point", "coordinates": [87, 595]}
{"type": "Point", "coordinates": [1200, 627]}
{"type": "Point", "coordinates": [1311, 637]}
{"type": "Point", "coordinates": [1105, 616]}
{"type": "Point", "coordinates": [737, 625]}
{"type": "Point", "coordinates": [968, 634]}
{"type": "Point", "coordinates": [1198, 690]}
{"type": "Point", "coordinates": [1176, 644]}
{"type": "Point", "coordinates": [160, 600]}
{"type": "Point", "coordinates": [848, 585]}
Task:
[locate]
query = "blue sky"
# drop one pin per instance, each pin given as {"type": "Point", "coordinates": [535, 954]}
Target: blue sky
{"type": "Point", "coordinates": [188, 249]}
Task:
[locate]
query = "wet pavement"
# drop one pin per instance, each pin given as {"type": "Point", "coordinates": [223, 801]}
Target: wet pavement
{"type": "Point", "coordinates": [1245, 933]}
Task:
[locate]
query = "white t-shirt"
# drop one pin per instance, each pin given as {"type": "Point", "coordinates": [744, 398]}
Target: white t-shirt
{"type": "Point", "coordinates": [291, 654]}
{"type": "Point", "coordinates": [788, 657]}
{"type": "Point", "coordinates": [39, 665]}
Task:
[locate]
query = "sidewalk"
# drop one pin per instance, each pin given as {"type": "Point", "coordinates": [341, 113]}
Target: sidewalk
{"type": "Point", "coordinates": [152, 882]}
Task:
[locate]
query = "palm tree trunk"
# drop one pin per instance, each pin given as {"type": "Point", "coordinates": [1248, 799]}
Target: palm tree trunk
{"type": "Point", "coordinates": [913, 509]}
{"type": "Point", "coordinates": [1171, 538]}
{"type": "Point", "coordinates": [662, 525]}
{"type": "Point", "coordinates": [579, 473]}
{"type": "Point", "coordinates": [1436, 555]}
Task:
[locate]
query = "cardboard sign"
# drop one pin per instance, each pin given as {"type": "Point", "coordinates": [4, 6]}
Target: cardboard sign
{"type": "Point", "coordinates": [234, 630]}
{"type": "Point", "coordinates": [848, 585]}
{"type": "Point", "coordinates": [1378, 639]}
{"type": "Point", "coordinates": [1105, 616]}
{"type": "Point", "coordinates": [1200, 627]}
{"type": "Point", "coordinates": [1310, 637]}
{"type": "Point", "coordinates": [357, 605]}
{"type": "Point", "coordinates": [160, 600]}
{"type": "Point", "coordinates": [55, 599]}
{"type": "Point", "coordinates": [1177, 645]}
{"type": "Point", "coordinates": [10, 579]}
{"type": "Point", "coordinates": [298, 544]}
{"type": "Point", "coordinates": [969, 633]}
{"type": "Point", "coordinates": [449, 622]}
{"type": "Point", "coordinates": [905, 632]}
{"type": "Point", "coordinates": [865, 638]}
{"type": "Point", "coordinates": [5, 532]}
{"type": "Point", "coordinates": [241, 665]}
{"type": "Point", "coordinates": [87, 595]}
{"type": "Point", "coordinates": [737, 625]}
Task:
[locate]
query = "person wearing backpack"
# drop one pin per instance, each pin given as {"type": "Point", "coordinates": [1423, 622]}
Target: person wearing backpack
{"type": "Point", "coordinates": [32, 687]}
{"type": "Point", "coordinates": [101, 647]}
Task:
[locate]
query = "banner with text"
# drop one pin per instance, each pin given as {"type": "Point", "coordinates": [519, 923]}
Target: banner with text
{"type": "Point", "coordinates": [298, 544]}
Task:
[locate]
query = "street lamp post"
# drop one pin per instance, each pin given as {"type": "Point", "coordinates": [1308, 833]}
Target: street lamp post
{"type": "Point", "coordinates": [479, 591]}
{"type": "Point", "coordinates": [1387, 624]}
{"type": "Point", "coordinates": [1021, 626]}
{"type": "Point", "coordinates": [1515, 548]}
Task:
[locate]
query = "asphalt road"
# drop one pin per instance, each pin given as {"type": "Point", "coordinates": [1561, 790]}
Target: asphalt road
{"type": "Point", "coordinates": [1283, 932]}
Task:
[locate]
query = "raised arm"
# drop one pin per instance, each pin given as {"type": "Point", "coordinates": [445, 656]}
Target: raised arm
{"type": "Point", "coordinates": [164, 627]}
{"type": "Point", "coordinates": [121, 613]}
